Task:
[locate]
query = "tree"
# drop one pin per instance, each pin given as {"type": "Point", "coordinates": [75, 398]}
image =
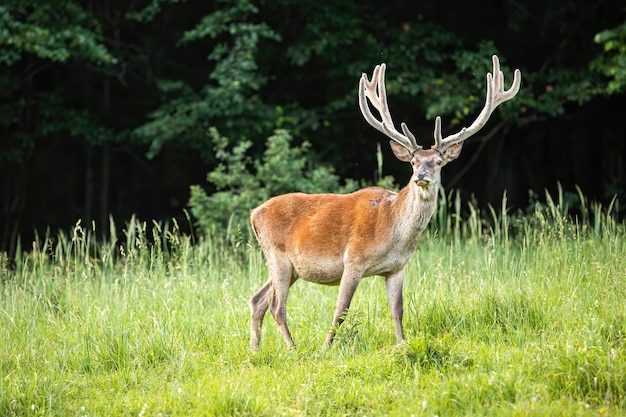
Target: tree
{"type": "Point", "coordinates": [231, 94]}
{"type": "Point", "coordinates": [612, 61]}
{"type": "Point", "coordinates": [37, 35]}
{"type": "Point", "coordinates": [122, 97]}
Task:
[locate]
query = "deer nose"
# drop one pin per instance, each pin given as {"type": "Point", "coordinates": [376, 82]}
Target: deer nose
{"type": "Point", "coordinates": [422, 179]}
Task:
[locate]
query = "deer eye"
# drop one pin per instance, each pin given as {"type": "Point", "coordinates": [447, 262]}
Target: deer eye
{"type": "Point", "coordinates": [439, 162]}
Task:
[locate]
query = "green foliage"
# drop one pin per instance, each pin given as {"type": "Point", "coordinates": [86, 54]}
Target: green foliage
{"type": "Point", "coordinates": [612, 61]}
{"type": "Point", "coordinates": [149, 12]}
{"type": "Point", "coordinates": [231, 100]}
{"type": "Point", "coordinates": [34, 35]}
{"type": "Point", "coordinates": [54, 118]}
{"type": "Point", "coordinates": [55, 31]}
{"type": "Point", "coordinates": [243, 183]}
{"type": "Point", "coordinates": [320, 40]}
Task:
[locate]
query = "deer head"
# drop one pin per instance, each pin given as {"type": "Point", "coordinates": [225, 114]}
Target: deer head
{"type": "Point", "coordinates": [427, 163]}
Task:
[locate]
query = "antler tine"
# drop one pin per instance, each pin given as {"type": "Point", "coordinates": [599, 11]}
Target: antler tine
{"type": "Point", "coordinates": [376, 93]}
{"type": "Point", "coordinates": [496, 95]}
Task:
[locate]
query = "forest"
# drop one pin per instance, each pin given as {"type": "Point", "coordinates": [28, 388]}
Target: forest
{"type": "Point", "coordinates": [199, 110]}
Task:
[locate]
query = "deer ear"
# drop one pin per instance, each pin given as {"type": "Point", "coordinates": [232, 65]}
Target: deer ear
{"type": "Point", "coordinates": [400, 152]}
{"type": "Point", "coordinates": [452, 152]}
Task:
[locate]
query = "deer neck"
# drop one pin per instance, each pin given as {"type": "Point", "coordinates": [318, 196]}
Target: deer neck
{"type": "Point", "coordinates": [415, 206]}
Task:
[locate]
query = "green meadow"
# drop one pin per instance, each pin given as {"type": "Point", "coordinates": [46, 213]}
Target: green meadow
{"type": "Point", "coordinates": [506, 314]}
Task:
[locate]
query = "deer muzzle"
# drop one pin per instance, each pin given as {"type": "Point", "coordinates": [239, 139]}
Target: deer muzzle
{"type": "Point", "coordinates": [422, 180]}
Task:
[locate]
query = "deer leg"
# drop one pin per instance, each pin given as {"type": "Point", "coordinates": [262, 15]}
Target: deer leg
{"type": "Point", "coordinates": [347, 287]}
{"type": "Point", "coordinates": [281, 277]}
{"type": "Point", "coordinates": [394, 284]}
{"type": "Point", "coordinates": [258, 305]}
{"type": "Point", "coordinates": [278, 308]}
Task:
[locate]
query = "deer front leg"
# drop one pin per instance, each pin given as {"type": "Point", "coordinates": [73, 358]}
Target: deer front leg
{"type": "Point", "coordinates": [347, 287]}
{"type": "Point", "coordinates": [394, 283]}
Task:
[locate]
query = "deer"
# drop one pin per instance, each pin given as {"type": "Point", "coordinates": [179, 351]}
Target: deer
{"type": "Point", "coordinates": [339, 239]}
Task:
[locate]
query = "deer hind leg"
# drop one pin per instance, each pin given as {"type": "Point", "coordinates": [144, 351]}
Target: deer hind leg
{"type": "Point", "coordinates": [281, 281]}
{"type": "Point", "coordinates": [273, 295]}
{"type": "Point", "coordinates": [258, 305]}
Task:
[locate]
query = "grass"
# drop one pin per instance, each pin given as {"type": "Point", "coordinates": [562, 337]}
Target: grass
{"type": "Point", "coordinates": [517, 315]}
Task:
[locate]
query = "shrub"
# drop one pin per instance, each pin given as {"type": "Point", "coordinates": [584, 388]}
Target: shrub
{"type": "Point", "coordinates": [242, 183]}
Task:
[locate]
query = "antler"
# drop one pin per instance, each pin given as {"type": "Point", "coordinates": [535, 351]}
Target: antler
{"type": "Point", "coordinates": [496, 95]}
{"type": "Point", "coordinates": [375, 91]}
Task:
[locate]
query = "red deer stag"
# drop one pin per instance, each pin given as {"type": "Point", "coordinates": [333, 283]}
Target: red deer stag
{"type": "Point", "coordinates": [336, 239]}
